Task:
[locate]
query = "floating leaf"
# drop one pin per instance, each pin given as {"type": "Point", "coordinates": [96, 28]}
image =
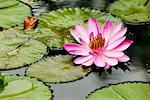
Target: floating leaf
{"type": "Point", "coordinates": [125, 91]}
{"type": "Point", "coordinates": [24, 88]}
{"type": "Point", "coordinates": [44, 35]}
{"type": "Point", "coordinates": [55, 32]}
{"type": "Point", "coordinates": [12, 12]}
{"type": "Point", "coordinates": [48, 37]}
{"type": "Point", "coordinates": [56, 69]}
{"type": "Point", "coordinates": [60, 21]}
{"type": "Point", "coordinates": [17, 52]}
{"type": "Point", "coordinates": [8, 3]}
{"type": "Point", "coordinates": [131, 10]}
{"type": "Point", "coordinates": [15, 32]}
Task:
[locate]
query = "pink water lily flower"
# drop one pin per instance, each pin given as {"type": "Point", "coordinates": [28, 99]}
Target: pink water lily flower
{"type": "Point", "coordinates": [100, 46]}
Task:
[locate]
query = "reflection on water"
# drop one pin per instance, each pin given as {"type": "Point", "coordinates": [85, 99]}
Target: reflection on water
{"type": "Point", "coordinates": [95, 4]}
{"type": "Point", "coordinates": [38, 6]}
{"type": "Point", "coordinates": [141, 47]}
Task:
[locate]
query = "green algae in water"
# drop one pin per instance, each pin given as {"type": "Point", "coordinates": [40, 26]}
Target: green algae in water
{"type": "Point", "coordinates": [56, 69]}
{"type": "Point", "coordinates": [17, 52]}
{"type": "Point", "coordinates": [60, 21]}
{"type": "Point", "coordinates": [131, 10]}
{"type": "Point", "coordinates": [12, 13]}
{"type": "Point", "coordinates": [24, 88]}
{"type": "Point", "coordinates": [125, 91]}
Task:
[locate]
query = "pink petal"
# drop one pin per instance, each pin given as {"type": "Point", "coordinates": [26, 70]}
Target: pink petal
{"type": "Point", "coordinates": [93, 26]}
{"type": "Point", "coordinates": [75, 34]}
{"type": "Point", "coordinates": [83, 32]}
{"type": "Point", "coordinates": [118, 35]}
{"type": "Point", "coordinates": [106, 30]}
{"type": "Point", "coordinates": [107, 66]}
{"type": "Point", "coordinates": [124, 45]}
{"type": "Point", "coordinates": [89, 62]}
{"type": "Point", "coordinates": [113, 53]}
{"type": "Point", "coordinates": [99, 61]}
{"type": "Point", "coordinates": [111, 61]}
{"type": "Point", "coordinates": [115, 43]}
{"type": "Point", "coordinates": [82, 59]}
{"type": "Point", "coordinates": [77, 49]}
{"type": "Point", "coordinates": [79, 52]}
{"type": "Point", "coordinates": [116, 27]}
{"type": "Point", "coordinates": [72, 46]}
{"type": "Point", "coordinates": [85, 45]}
{"type": "Point", "coordinates": [124, 58]}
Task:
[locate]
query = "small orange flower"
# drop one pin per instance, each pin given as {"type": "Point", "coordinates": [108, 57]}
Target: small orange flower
{"type": "Point", "coordinates": [30, 23]}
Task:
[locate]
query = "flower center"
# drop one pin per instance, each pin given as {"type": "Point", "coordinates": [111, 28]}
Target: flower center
{"type": "Point", "coordinates": [96, 43]}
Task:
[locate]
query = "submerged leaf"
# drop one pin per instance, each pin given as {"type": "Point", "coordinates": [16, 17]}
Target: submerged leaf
{"type": "Point", "coordinates": [24, 88]}
{"type": "Point", "coordinates": [17, 52]}
{"type": "Point", "coordinates": [125, 91]}
{"type": "Point", "coordinates": [56, 69]}
{"type": "Point", "coordinates": [12, 13]}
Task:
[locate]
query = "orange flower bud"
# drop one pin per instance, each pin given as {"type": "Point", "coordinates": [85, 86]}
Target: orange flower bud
{"type": "Point", "coordinates": [30, 23]}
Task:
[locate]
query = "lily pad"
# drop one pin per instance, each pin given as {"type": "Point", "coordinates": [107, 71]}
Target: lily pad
{"type": "Point", "coordinates": [17, 52]}
{"type": "Point", "coordinates": [15, 32]}
{"type": "Point", "coordinates": [12, 13]}
{"type": "Point", "coordinates": [125, 91]}
{"type": "Point", "coordinates": [24, 88]}
{"type": "Point", "coordinates": [60, 21]}
{"type": "Point", "coordinates": [44, 35]}
{"type": "Point", "coordinates": [48, 37]}
{"type": "Point", "coordinates": [8, 3]}
{"type": "Point", "coordinates": [56, 69]}
{"type": "Point", "coordinates": [53, 28]}
{"type": "Point", "coordinates": [131, 10]}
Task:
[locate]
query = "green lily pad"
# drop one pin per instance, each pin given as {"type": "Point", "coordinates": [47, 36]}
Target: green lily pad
{"type": "Point", "coordinates": [56, 69]}
{"type": "Point", "coordinates": [12, 13]}
{"type": "Point", "coordinates": [24, 88]}
{"type": "Point", "coordinates": [19, 86]}
{"type": "Point", "coordinates": [8, 3]}
{"type": "Point", "coordinates": [125, 91]}
{"type": "Point", "coordinates": [57, 24]}
{"type": "Point", "coordinates": [15, 32]}
{"type": "Point", "coordinates": [48, 37]}
{"type": "Point", "coordinates": [17, 52]}
{"type": "Point", "coordinates": [131, 10]}
{"type": "Point", "coordinates": [44, 35]}
{"type": "Point", "coordinates": [53, 28]}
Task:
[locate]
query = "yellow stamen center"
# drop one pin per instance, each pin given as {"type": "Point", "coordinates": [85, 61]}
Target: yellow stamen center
{"type": "Point", "coordinates": [96, 43]}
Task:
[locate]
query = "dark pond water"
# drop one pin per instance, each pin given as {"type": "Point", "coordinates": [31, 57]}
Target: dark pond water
{"type": "Point", "coordinates": [139, 52]}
